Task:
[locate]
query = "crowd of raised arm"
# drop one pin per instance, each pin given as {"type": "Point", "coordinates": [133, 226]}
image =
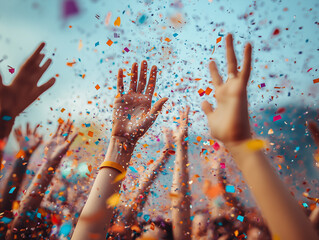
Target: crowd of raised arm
{"type": "Point", "coordinates": [35, 214]}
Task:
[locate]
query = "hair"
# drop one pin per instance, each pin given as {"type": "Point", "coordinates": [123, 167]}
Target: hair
{"type": "Point", "coordinates": [167, 227]}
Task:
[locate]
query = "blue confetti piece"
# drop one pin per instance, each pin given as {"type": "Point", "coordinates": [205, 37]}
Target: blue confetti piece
{"type": "Point", "coordinates": [133, 169]}
{"type": "Point", "coordinates": [140, 214]}
{"type": "Point", "coordinates": [12, 190]}
{"type": "Point", "coordinates": [6, 220]}
{"type": "Point", "coordinates": [97, 44]}
{"type": "Point", "coordinates": [146, 217]}
{"type": "Point", "coordinates": [175, 34]}
{"type": "Point", "coordinates": [39, 215]}
{"type": "Point", "coordinates": [129, 116]}
{"type": "Point", "coordinates": [142, 19]}
{"type": "Point", "coordinates": [305, 205]}
{"type": "Point", "coordinates": [6, 118]}
{"type": "Point", "coordinates": [192, 218]}
{"type": "Point", "coordinates": [65, 134]}
{"type": "Point", "coordinates": [230, 188]}
{"type": "Point", "coordinates": [65, 229]}
{"type": "Point", "coordinates": [240, 218]}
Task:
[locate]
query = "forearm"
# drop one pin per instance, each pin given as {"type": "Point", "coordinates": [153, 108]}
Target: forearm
{"type": "Point", "coordinates": [96, 215]}
{"type": "Point", "coordinates": [181, 199]}
{"type": "Point", "coordinates": [149, 180]}
{"type": "Point", "coordinates": [281, 211]}
{"type": "Point", "coordinates": [14, 180]}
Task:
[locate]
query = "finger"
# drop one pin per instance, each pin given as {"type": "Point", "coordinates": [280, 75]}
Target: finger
{"type": "Point", "coordinates": [39, 59]}
{"type": "Point", "coordinates": [247, 63]}
{"type": "Point", "coordinates": [69, 128]}
{"type": "Point", "coordinates": [120, 86]}
{"type": "Point", "coordinates": [133, 83]}
{"type": "Point", "coordinates": [207, 107]}
{"type": "Point", "coordinates": [35, 129]}
{"type": "Point", "coordinates": [314, 131]}
{"type": "Point", "coordinates": [38, 143]}
{"type": "Point", "coordinates": [231, 57]}
{"type": "Point", "coordinates": [152, 82]}
{"type": "Point", "coordinates": [58, 129]}
{"type": "Point", "coordinates": [216, 78]}
{"type": "Point", "coordinates": [44, 67]}
{"type": "Point", "coordinates": [186, 114]}
{"type": "Point", "coordinates": [155, 111]}
{"type": "Point", "coordinates": [37, 51]}
{"type": "Point", "coordinates": [72, 138]}
{"type": "Point", "coordinates": [28, 129]}
{"type": "Point", "coordinates": [45, 86]}
{"type": "Point", "coordinates": [143, 76]}
{"type": "Point", "coordinates": [65, 127]}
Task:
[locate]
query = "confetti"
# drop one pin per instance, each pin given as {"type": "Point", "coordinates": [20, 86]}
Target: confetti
{"type": "Point", "coordinates": [117, 22]}
{"type": "Point", "coordinates": [113, 200]}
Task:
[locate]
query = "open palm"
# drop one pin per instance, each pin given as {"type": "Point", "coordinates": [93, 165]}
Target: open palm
{"type": "Point", "coordinates": [229, 121]}
{"type": "Point", "coordinates": [132, 113]}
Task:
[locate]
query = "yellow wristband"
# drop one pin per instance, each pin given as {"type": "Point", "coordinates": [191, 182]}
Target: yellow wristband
{"type": "Point", "coordinates": [114, 165]}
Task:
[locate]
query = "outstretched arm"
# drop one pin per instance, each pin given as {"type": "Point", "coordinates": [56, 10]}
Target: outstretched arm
{"type": "Point", "coordinates": [132, 117]}
{"type": "Point", "coordinates": [22, 91]}
{"type": "Point", "coordinates": [54, 152]}
{"type": "Point", "coordinates": [140, 198]}
{"type": "Point", "coordinates": [229, 123]}
{"type": "Point", "coordinates": [181, 199]}
{"type": "Point", "coordinates": [28, 143]}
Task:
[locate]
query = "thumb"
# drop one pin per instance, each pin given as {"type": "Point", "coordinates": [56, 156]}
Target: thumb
{"type": "Point", "coordinates": [155, 111]}
{"type": "Point", "coordinates": [207, 107]}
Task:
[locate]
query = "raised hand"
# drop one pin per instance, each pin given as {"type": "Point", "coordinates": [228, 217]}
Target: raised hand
{"type": "Point", "coordinates": [29, 140]}
{"type": "Point", "coordinates": [132, 114]}
{"type": "Point", "coordinates": [181, 132]}
{"type": "Point", "coordinates": [229, 121]}
{"type": "Point", "coordinates": [60, 142]}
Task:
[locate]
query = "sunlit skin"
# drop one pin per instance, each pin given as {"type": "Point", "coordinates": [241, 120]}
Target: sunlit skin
{"type": "Point", "coordinates": [133, 115]}
{"type": "Point", "coordinates": [229, 123]}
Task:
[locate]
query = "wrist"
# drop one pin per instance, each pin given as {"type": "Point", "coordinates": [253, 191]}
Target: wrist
{"type": "Point", "coordinates": [244, 151]}
{"type": "Point", "coordinates": [120, 151]}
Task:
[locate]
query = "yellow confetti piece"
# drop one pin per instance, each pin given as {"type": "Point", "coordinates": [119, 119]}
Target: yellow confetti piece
{"type": "Point", "coordinates": [113, 200]}
{"type": "Point", "coordinates": [120, 177]}
{"type": "Point", "coordinates": [117, 22]}
{"type": "Point", "coordinates": [255, 144]}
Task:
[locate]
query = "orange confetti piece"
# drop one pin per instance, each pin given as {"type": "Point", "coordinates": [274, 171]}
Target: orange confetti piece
{"type": "Point", "coordinates": [208, 90]}
{"type": "Point", "coordinates": [90, 134]}
{"type": "Point", "coordinates": [218, 39]}
{"type": "Point", "coordinates": [97, 87]}
{"type": "Point", "coordinates": [117, 22]}
{"type": "Point", "coordinates": [198, 138]}
{"type": "Point", "coordinates": [197, 79]}
{"type": "Point", "coordinates": [63, 109]}
{"type": "Point", "coordinates": [316, 80]}
{"type": "Point", "coordinates": [139, 155]}
{"type": "Point", "coordinates": [60, 121]}
{"type": "Point", "coordinates": [90, 168]}
{"type": "Point", "coordinates": [20, 154]}
{"type": "Point", "coordinates": [109, 42]}
{"type": "Point", "coordinates": [167, 40]}
{"type": "Point", "coordinates": [70, 64]}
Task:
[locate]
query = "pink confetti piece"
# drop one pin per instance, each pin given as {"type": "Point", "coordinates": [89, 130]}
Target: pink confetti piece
{"type": "Point", "coordinates": [216, 146]}
{"type": "Point", "coordinates": [126, 49]}
{"type": "Point", "coordinates": [276, 118]}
